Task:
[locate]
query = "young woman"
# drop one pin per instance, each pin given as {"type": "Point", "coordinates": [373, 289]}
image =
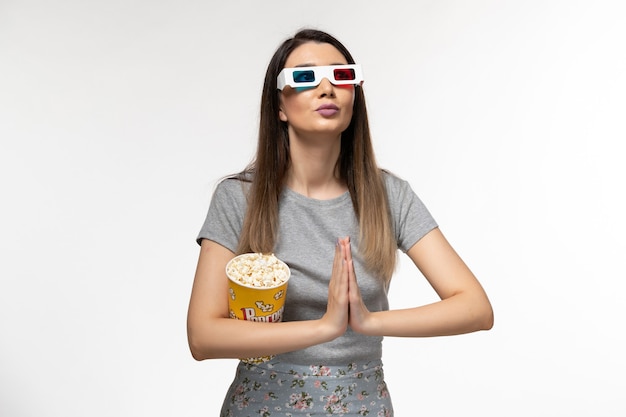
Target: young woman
{"type": "Point", "coordinates": [315, 197]}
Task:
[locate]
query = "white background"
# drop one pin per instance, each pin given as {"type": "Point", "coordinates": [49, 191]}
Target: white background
{"type": "Point", "coordinates": [117, 118]}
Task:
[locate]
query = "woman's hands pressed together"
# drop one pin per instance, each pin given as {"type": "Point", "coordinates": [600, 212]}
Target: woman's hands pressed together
{"type": "Point", "coordinates": [336, 316]}
{"type": "Point", "coordinates": [463, 306]}
{"type": "Point", "coordinates": [345, 304]}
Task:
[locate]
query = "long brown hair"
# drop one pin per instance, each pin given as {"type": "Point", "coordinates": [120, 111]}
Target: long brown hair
{"type": "Point", "coordinates": [357, 167]}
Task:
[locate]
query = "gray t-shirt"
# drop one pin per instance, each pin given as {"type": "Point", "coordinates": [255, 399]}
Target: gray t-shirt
{"type": "Point", "coordinates": [308, 230]}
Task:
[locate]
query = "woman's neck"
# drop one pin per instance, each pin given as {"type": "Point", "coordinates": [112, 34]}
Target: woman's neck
{"type": "Point", "coordinates": [314, 170]}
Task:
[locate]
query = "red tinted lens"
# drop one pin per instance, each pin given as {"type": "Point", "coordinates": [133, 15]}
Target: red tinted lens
{"type": "Point", "coordinates": [344, 74]}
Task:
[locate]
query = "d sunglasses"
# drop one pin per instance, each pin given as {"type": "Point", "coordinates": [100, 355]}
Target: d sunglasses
{"type": "Point", "coordinates": [303, 77]}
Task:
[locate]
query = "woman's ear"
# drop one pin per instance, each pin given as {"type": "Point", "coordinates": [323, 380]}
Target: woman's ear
{"type": "Point", "coordinates": [281, 115]}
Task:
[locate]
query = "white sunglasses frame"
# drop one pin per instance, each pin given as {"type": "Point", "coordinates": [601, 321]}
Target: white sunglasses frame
{"type": "Point", "coordinates": [285, 77]}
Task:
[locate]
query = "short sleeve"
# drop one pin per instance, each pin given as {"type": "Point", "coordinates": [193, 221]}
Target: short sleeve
{"type": "Point", "coordinates": [224, 219]}
{"type": "Point", "coordinates": [411, 218]}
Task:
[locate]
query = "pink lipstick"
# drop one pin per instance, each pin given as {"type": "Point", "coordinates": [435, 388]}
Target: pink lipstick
{"type": "Point", "coordinates": [327, 110]}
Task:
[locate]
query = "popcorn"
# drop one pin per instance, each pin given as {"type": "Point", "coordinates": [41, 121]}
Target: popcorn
{"type": "Point", "coordinates": [257, 288]}
{"type": "Point", "coordinates": [258, 270]}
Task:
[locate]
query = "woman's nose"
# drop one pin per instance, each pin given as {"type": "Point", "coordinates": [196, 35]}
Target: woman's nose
{"type": "Point", "coordinates": [326, 87]}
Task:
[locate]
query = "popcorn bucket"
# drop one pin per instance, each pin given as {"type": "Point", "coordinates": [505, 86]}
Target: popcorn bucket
{"type": "Point", "coordinates": [257, 285]}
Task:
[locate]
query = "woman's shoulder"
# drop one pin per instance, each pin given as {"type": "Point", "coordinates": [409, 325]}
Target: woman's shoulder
{"type": "Point", "coordinates": [240, 179]}
{"type": "Point", "coordinates": [242, 176]}
{"type": "Point", "coordinates": [393, 182]}
{"type": "Point", "coordinates": [233, 186]}
{"type": "Point", "coordinates": [399, 190]}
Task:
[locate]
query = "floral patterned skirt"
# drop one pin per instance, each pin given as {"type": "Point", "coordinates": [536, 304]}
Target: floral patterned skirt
{"type": "Point", "coordinates": [273, 389]}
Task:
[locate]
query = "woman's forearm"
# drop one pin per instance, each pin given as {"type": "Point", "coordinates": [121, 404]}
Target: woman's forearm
{"type": "Point", "coordinates": [213, 334]}
{"type": "Point", "coordinates": [230, 338]}
{"type": "Point", "coordinates": [459, 314]}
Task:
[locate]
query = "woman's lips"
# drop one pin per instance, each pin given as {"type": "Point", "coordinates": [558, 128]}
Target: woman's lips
{"type": "Point", "coordinates": [327, 110]}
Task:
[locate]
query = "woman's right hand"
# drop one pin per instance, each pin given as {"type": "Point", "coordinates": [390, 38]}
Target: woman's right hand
{"type": "Point", "coordinates": [213, 334]}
